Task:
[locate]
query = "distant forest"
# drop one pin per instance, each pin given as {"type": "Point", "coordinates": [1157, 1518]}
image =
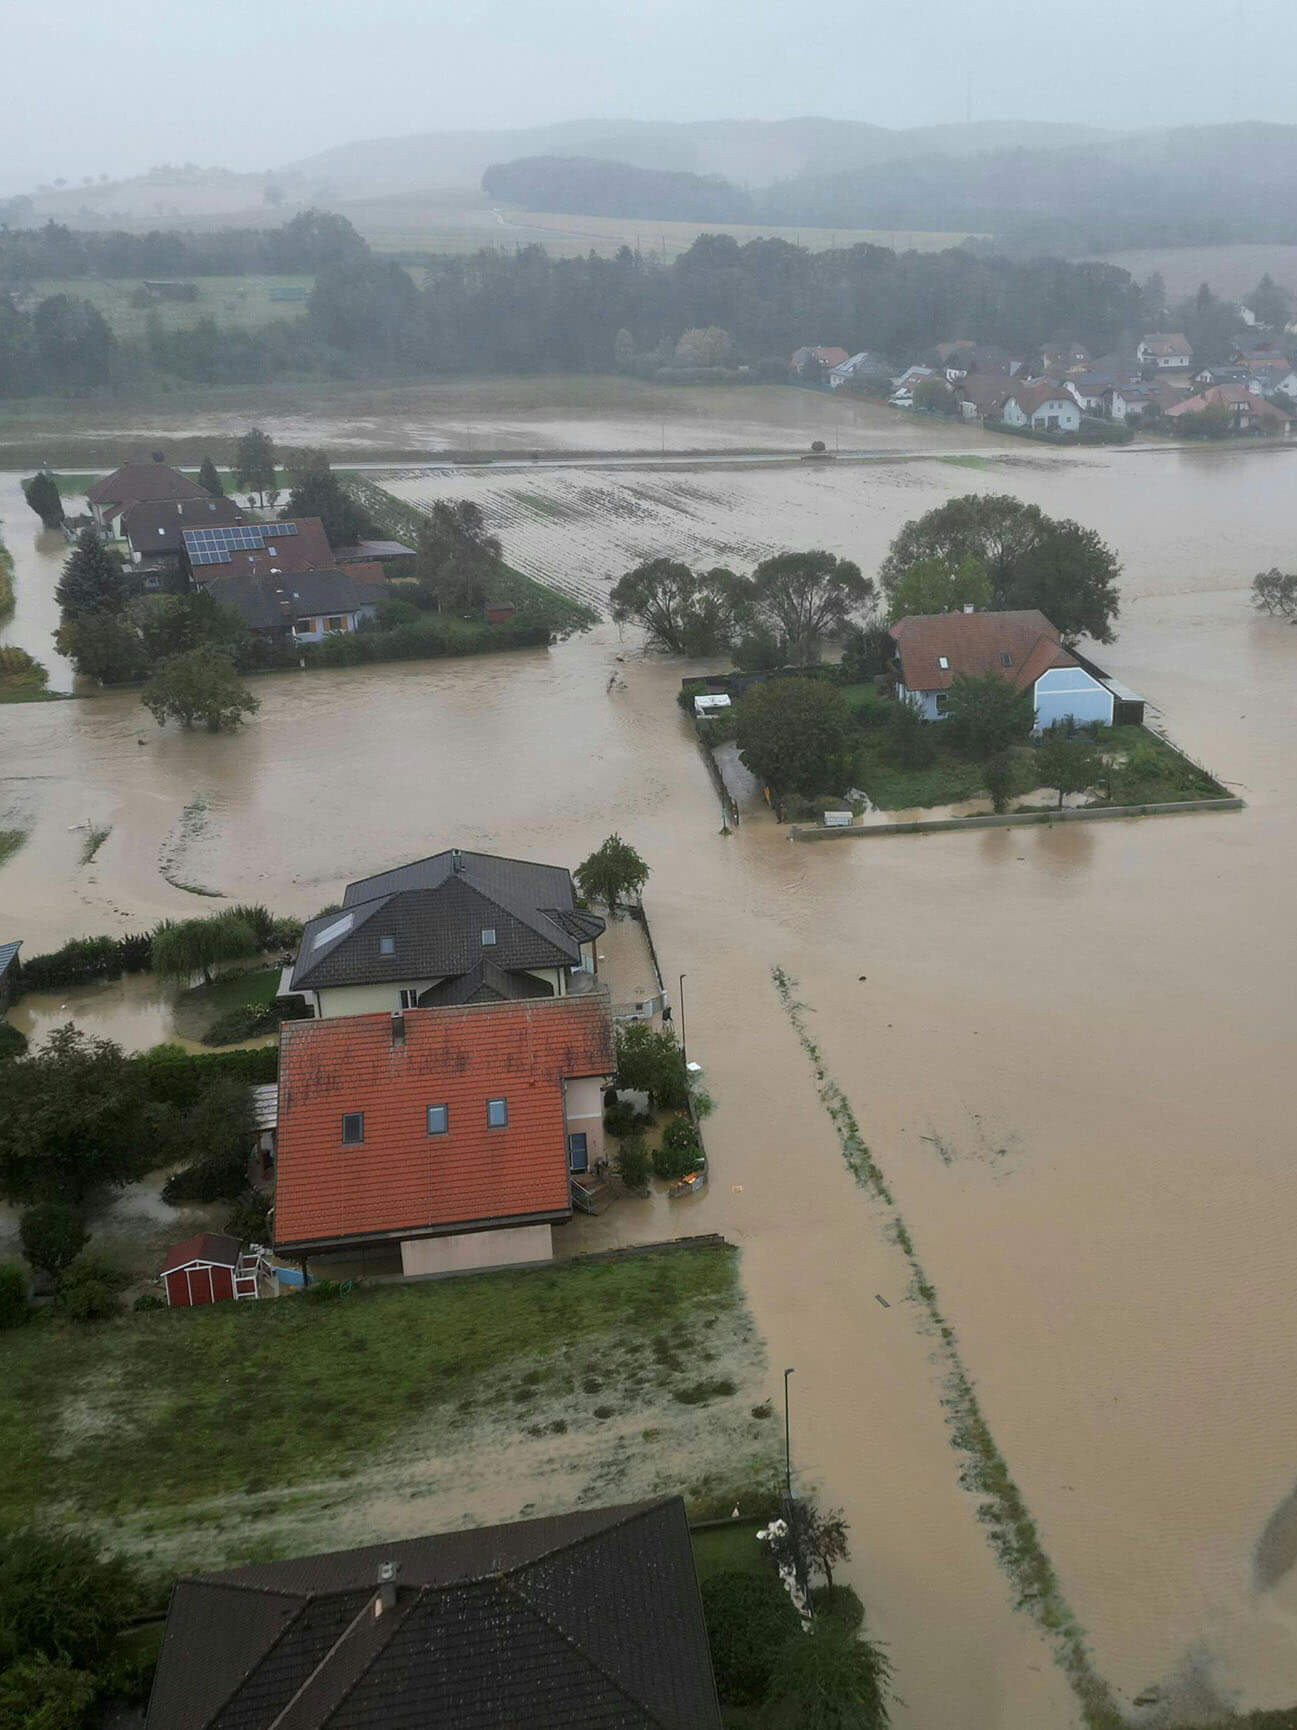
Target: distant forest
{"type": "Point", "coordinates": [1195, 186]}
{"type": "Point", "coordinates": [526, 312]}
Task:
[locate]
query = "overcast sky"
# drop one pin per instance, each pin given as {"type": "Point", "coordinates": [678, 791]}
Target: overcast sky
{"type": "Point", "coordinates": [97, 88]}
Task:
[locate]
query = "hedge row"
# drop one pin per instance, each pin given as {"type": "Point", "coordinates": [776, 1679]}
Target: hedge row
{"type": "Point", "coordinates": [421, 641]}
{"type": "Point", "coordinates": [178, 1077]}
{"type": "Point", "coordinates": [84, 960]}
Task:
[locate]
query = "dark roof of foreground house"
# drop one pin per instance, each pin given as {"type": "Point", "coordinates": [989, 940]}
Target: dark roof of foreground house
{"type": "Point", "coordinates": [1020, 646]}
{"type": "Point", "coordinates": [269, 603]}
{"type": "Point", "coordinates": [135, 482]}
{"type": "Point", "coordinates": [156, 525]}
{"type": "Point", "coordinates": [291, 544]}
{"type": "Point", "coordinates": [582, 1621]}
{"type": "Point", "coordinates": [399, 1180]}
{"type": "Point", "coordinates": [8, 955]}
{"type": "Point", "coordinates": [436, 912]}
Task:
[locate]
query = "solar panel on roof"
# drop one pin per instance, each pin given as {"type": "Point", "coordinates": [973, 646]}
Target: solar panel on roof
{"type": "Point", "coordinates": [213, 546]}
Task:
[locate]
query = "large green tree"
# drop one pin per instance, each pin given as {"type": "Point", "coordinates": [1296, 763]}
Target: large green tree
{"type": "Point", "coordinates": [201, 684]}
{"type": "Point", "coordinates": [209, 476]}
{"type": "Point", "coordinates": [456, 556]}
{"type": "Point", "coordinates": [1032, 560]}
{"type": "Point", "coordinates": [683, 611]}
{"type": "Point", "coordinates": [319, 493]}
{"type": "Point", "coordinates": [806, 597]}
{"type": "Point", "coordinates": [60, 1599]}
{"type": "Point", "coordinates": [794, 735]}
{"type": "Point", "coordinates": [934, 585]}
{"type": "Point", "coordinates": [52, 1235]}
{"type": "Point", "coordinates": [986, 714]}
{"type": "Point", "coordinates": [92, 579]}
{"type": "Point", "coordinates": [175, 624]}
{"type": "Point", "coordinates": [74, 1118]}
{"type": "Point", "coordinates": [102, 646]}
{"type": "Point", "coordinates": [613, 872]}
{"type": "Point", "coordinates": [254, 462]}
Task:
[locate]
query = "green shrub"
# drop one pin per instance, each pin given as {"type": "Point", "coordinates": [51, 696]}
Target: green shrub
{"type": "Point", "coordinates": [13, 1296]}
{"type": "Point", "coordinates": [322, 1291]}
{"type": "Point", "coordinates": [90, 1290]}
{"type": "Point", "coordinates": [680, 1151]}
{"type": "Point", "coordinates": [840, 1604]}
{"type": "Point", "coordinates": [831, 1679]}
{"type": "Point", "coordinates": [749, 1617]}
{"type": "Point", "coordinates": [52, 1236]}
{"type": "Point", "coordinates": [632, 1164]}
{"type": "Point", "coordinates": [249, 1219]}
{"type": "Point", "coordinates": [619, 1119]}
{"type": "Point", "coordinates": [148, 1300]}
{"type": "Point", "coordinates": [60, 1599]}
{"type": "Point", "coordinates": [704, 1392]}
{"type": "Point", "coordinates": [38, 1695]}
{"type": "Point", "coordinates": [245, 1021]}
{"type": "Point", "coordinates": [177, 1077]}
{"type": "Point", "coordinates": [13, 1042]}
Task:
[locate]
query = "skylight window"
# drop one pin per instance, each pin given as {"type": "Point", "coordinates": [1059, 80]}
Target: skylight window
{"type": "Point", "coordinates": [1006, 659]}
{"type": "Point", "coordinates": [339, 928]}
{"type": "Point", "coordinates": [497, 1113]}
{"type": "Point", "coordinates": [488, 937]}
{"type": "Point", "coordinates": [387, 946]}
{"type": "Point", "coordinates": [353, 1128]}
{"type": "Point", "coordinates": [943, 661]}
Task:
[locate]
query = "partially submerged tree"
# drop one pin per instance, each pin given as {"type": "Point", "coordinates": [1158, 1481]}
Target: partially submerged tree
{"type": "Point", "coordinates": [200, 685]}
{"type": "Point", "coordinates": [52, 1235]}
{"type": "Point", "coordinates": [649, 1061]}
{"type": "Point", "coordinates": [683, 611]}
{"type": "Point", "coordinates": [986, 714]}
{"type": "Point", "coordinates": [807, 597]}
{"type": "Point", "coordinates": [456, 557]}
{"type": "Point", "coordinates": [102, 646]}
{"type": "Point", "coordinates": [254, 462]}
{"type": "Point", "coordinates": [794, 734]}
{"type": "Point", "coordinates": [197, 945]}
{"type": "Point", "coordinates": [73, 1119]}
{"type": "Point", "coordinates": [1069, 765]}
{"type": "Point", "coordinates": [613, 872]}
{"type": "Point", "coordinates": [42, 494]}
{"type": "Point", "coordinates": [1275, 591]}
{"type": "Point", "coordinates": [92, 579]}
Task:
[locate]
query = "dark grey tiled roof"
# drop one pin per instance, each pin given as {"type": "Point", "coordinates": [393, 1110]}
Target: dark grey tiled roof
{"type": "Point", "coordinates": [437, 914]}
{"type": "Point", "coordinates": [483, 983]}
{"type": "Point", "coordinates": [8, 955]}
{"type": "Point", "coordinates": [155, 526]}
{"type": "Point", "coordinates": [263, 603]}
{"type": "Point", "coordinates": [584, 1621]}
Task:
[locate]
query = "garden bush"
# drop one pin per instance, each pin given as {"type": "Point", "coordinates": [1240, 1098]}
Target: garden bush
{"type": "Point", "coordinates": [13, 1296]}
{"type": "Point", "coordinates": [840, 1604]}
{"type": "Point", "coordinates": [90, 1290]}
{"type": "Point", "coordinates": [148, 1300]}
{"type": "Point", "coordinates": [249, 1219]}
{"type": "Point", "coordinates": [52, 1236]}
{"type": "Point", "coordinates": [221, 1177]}
{"type": "Point", "coordinates": [619, 1119]}
{"type": "Point", "coordinates": [178, 1077]}
{"type": "Point", "coordinates": [245, 1021]}
{"type": "Point", "coordinates": [680, 1150]}
{"type": "Point", "coordinates": [13, 1042]}
{"type": "Point", "coordinates": [749, 1617]}
{"type": "Point", "coordinates": [632, 1164]}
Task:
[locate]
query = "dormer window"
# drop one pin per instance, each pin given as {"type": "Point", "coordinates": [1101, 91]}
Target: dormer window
{"type": "Point", "coordinates": [387, 946]}
{"type": "Point", "coordinates": [943, 661]}
{"type": "Point", "coordinates": [488, 937]}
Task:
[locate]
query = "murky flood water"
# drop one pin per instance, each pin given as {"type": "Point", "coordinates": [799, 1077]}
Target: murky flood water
{"type": "Point", "coordinates": [1062, 1045]}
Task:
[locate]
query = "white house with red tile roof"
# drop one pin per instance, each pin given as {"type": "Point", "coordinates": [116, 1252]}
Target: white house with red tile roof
{"type": "Point", "coordinates": [932, 649]}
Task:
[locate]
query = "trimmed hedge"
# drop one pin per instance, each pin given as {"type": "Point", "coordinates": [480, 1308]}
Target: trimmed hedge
{"type": "Point", "coordinates": [83, 960]}
{"type": "Point", "coordinates": [423, 641]}
{"type": "Point", "coordinates": [178, 1077]}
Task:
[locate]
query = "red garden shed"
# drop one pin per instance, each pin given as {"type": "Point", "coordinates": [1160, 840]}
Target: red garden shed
{"type": "Point", "coordinates": [207, 1268]}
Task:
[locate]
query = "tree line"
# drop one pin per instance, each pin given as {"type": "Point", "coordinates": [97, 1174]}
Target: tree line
{"type": "Point", "coordinates": [495, 312]}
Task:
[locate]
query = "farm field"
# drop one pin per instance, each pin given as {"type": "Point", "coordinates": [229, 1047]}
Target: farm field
{"type": "Point", "coordinates": [203, 1437]}
{"type": "Point", "coordinates": [238, 302]}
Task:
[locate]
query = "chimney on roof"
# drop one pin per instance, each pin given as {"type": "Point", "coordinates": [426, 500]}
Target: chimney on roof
{"type": "Point", "coordinates": [457, 862]}
{"type": "Point", "coordinates": [386, 1599]}
{"type": "Point", "coordinates": [398, 1027]}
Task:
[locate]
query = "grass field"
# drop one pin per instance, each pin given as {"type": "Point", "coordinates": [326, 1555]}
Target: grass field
{"type": "Point", "coordinates": [240, 302]}
{"type": "Point", "coordinates": [255, 1427]}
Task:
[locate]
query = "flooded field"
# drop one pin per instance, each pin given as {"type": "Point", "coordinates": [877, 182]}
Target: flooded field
{"type": "Point", "coordinates": [1061, 1044]}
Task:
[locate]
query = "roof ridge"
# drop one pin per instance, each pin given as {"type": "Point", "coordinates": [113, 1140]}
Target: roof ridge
{"type": "Point", "coordinates": [303, 1604]}
{"type": "Point", "coordinates": [396, 1619]}
{"type": "Point", "coordinates": [509, 1585]}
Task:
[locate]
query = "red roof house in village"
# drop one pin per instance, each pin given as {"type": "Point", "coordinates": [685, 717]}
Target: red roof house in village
{"type": "Point", "coordinates": [448, 1134]}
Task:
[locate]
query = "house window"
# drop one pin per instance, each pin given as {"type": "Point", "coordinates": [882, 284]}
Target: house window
{"type": "Point", "coordinates": [1006, 660]}
{"type": "Point", "coordinates": [943, 661]}
{"type": "Point", "coordinates": [387, 946]}
{"type": "Point", "coordinates": [337, 623]}
{"type": "Point", "coordinates": [488, 937]}
{"type": "Point", "coordinates": [497, 1113]}
{"type": "Point", "coordinates": [942, 702]}
{"type": "Point", "coordinates": [305, 627]}
{"type": "Point", "coordinates": [410, 997]}
{"type": "Point", "coordinates": [438, 1120]}
{"type": "Point", "coordinates": [578, 1152]}
{"type": "Point", "coordinates": [353, 1128]}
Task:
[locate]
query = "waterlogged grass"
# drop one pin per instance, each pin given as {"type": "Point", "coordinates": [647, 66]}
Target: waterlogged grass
{"type": "Point", "coordinates": [152, 1414]}
{"type": "Point", "coordinates": [93, 842]}
{"type": "Point", "coordinates": [982, 1469]}
{"type": "Point", "coordinates": [10, 841]}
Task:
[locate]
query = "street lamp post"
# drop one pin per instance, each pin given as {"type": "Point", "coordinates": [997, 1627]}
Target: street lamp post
{"type": "Point", "coordinates": [788, 1452]}
{"type": "Point", "coordinates": [684, 1049]}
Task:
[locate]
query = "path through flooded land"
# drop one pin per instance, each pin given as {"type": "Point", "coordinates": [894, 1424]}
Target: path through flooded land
{"type": "Point", "coordinates": [1063, 1047]}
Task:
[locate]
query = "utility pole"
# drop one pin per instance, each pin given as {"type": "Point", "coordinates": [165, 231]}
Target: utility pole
{"type": "Point", "coordinates": [788, 1452]}
{"type": "Point", "coordinates": [684, 1050]}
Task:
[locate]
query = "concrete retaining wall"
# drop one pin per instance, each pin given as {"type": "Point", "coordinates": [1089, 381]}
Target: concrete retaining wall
{"type": "Point", "coordinates": [1013, 819]}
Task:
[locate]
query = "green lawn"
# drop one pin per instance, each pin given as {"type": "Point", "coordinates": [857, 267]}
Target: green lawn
{"type": "Point", "coordinates": [196, 1010]}
{"type": "Point", "coordinates": [1151, 771]}
{"type": "Point", "coordinates": [148, 1414]}
{"type": "Point", "coordinates": [236, 302]}
{"type": "Point", "coordinates": [730, 1549]}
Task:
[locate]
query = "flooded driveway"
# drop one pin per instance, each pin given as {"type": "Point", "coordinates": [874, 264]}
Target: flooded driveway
{"type": "Point", "coordinates": [1062, 1045]}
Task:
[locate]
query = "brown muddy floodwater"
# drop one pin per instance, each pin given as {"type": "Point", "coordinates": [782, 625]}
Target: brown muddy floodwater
{"type": "Point", "coordinates": [1065, 1052]}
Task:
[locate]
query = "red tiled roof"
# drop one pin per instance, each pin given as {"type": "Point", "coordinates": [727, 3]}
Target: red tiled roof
{"type": "Point", "coordinates": [1227, 396]}
{"type": "Point", "coordinates": [830, 356]}
{"type": "Point", "coordinates": [401, 1180]}
{"type": "Point", "coordinates": [365, 571]}
{"type": "Point", "coordinates": [975, 643]}
{"type": "Point", "coordinates": [1030, 397]}
{"type": "Point", "coordinates": [212, 1246]}
{"type": "Point", "coordinates": [134, 482]}
{"type": "Point", "coordinates": [307, 550]}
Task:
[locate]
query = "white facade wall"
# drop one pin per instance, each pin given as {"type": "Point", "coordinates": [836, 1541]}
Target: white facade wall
{"type": "Point", "coordinates": [583, 1112]}
{"type": "Point", "coordinates": [1070, 694]}
{"type": "Point", "coordinates": [1059, 414]}
{"type": "Point", "coordinates": [317, 633]}
{"type": "Point", "coordinates": [470, 1249]}
{"type": "Point", "coordinates": [924, 701]}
